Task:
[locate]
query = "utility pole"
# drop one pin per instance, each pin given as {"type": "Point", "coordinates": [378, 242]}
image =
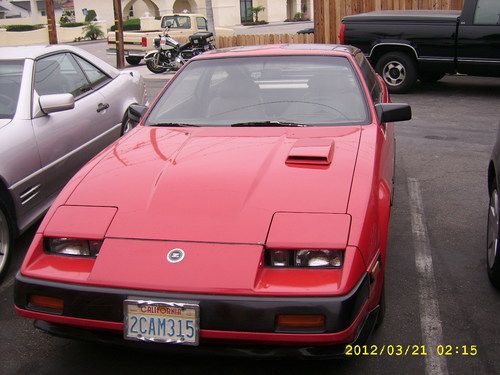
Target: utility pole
{"type": "Point", "coordinates": [120, 53]}
{"type": "Point", "coordinates": [210, 16]}
{"type": "Point", "coordinates": [51, 21]}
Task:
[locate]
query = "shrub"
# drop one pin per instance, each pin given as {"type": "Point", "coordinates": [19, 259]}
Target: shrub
{"type": "Point", "coordinates": [130, 25]}
{"type": "Point", "coordinates": [254, 23]}
{"type": "Point", "coordinates": [23, 27]}
{"type": "Point", "coordinates": [256, 10]}
{"type": "Point", "coordinates": [91, 15]}
{"type": "Point", "coordinates": [73, 24]}
{"type": "Point", "coordinates": [68, 16]}
{"type": "Point", "coordinates": [299, 16]}
{"type": "Point", "coordinates": [93, 31]}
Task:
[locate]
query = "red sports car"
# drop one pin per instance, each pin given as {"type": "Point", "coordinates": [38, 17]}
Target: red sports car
{"type": "Point", "coordinates": [248, 211]}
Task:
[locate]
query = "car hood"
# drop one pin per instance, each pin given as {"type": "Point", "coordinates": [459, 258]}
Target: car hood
{"type": "Point", "coordinates": [219, 184]}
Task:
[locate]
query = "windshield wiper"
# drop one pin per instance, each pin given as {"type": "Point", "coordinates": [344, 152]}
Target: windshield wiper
{"type": "Point", "coordinates": [173, 124]}
{"type": "Point", "coordinates": [266, 123]}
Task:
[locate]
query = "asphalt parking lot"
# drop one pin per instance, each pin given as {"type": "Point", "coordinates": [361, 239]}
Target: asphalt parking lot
{"type": "Point", "coordinates": [437, 288]}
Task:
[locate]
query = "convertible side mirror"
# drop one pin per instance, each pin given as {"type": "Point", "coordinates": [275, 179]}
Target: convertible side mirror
{"type": "Point", "coordinates": [393, 112]}
{"type": "Point", "coordinates": [56, 103]}
{"type": "Point", "coordinates": [136, 111]}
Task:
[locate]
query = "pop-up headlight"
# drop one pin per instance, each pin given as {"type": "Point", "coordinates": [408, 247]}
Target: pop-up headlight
{"type": "Point", "coordinates": [304, 258]}
{"type": "Point", "coordinates": [73, 247]}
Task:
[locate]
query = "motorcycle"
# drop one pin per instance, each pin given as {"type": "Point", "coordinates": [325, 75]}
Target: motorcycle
{"type": "Point", "coordinates": [171, 55]}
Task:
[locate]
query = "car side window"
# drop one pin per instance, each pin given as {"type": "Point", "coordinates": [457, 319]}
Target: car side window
{"type": "Point", "coordinates": [94, 74]}
{"type": "Point", "coordinates": [201, 23]}
{"type": "Point", "coordinates": [59, 74]}
{"type": "Point", "coordinates": [370, 78]}
{"type": "Point", "coordinates": [487, 12]}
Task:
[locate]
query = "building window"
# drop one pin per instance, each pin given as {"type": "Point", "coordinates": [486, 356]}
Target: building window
{"type": "Point", "coordinates": [246, 11]}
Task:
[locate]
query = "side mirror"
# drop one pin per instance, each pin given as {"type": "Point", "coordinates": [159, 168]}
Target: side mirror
{"type": "Point", "coordinates": [393, 112]}
{"type": "Point", "coordinates": [56, 103]}
{"type": "Point", "coordinates": [166, 23]}
{"type": "Point", "coordinates": [136, 111]}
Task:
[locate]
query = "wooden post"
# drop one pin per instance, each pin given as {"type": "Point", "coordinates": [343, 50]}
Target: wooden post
{"type": "Point", "coordinates": [51, 21]}
{"type": "Point", "coordinates": [120, 52]}
{"type": "Point", "coordinates": [325, 21]}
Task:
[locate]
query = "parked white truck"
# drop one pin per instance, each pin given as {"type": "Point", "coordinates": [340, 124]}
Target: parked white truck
{"type": "Point", "coordinates": [138, 43]}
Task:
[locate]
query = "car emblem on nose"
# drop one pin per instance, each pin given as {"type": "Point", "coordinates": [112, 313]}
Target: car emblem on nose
{"type": "Point", "coordinates": [175, 255]}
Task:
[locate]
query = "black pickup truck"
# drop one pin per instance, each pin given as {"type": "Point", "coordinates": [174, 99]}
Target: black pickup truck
{"type": "Point", "coordinates": [404, 46]}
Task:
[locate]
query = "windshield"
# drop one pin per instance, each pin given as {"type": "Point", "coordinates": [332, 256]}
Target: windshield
{"type": "Point", "coordinates": [11, 73]}
{"type": "Point", "coordinates": [270, 91]}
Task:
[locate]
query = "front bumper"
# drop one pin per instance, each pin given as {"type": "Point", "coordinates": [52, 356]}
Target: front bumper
{"type": "Point", "coordinates": [92, 312]}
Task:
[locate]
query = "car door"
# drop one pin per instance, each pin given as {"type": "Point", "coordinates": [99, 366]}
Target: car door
{"type": "Point", "coordinates": [478, 49]}
{"type": "Point", "coordinates": [66, 139]}
{"type": "Point", "coordinates": [114, 93]}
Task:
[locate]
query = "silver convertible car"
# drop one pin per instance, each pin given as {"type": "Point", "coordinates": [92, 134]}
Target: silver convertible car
{"type": "Point", "coordinates": [59, 106]}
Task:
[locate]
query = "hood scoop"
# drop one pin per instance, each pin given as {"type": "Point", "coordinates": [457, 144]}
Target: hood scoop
{"type": "Point", "coordinates": [315, 151]}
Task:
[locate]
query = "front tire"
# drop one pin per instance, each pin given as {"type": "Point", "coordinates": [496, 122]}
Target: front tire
{"type": "Point", "coordinates": [492, 244]}
{"type": "Point", "coordinates": [151, 64]}
{"type": "Point", "coordinates": [6, 239]}
{"type": "Point", "coordinates": [133, 60]}
{"type": "Point", "coordinates": [398, 70]}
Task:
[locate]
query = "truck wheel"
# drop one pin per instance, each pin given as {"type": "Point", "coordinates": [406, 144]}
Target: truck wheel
{"type": "Point", "coordinates": [6, 239]}
{"type": "Point", "coordinates": [133, 60]}
{"type": "Point", "coordinates": [430, 77]}
{"type": "Point", "coordinates": [398, 71]}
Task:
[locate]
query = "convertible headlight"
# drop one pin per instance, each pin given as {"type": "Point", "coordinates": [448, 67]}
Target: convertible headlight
{"type": "Point", "coordinates": [73, 246]}
{"type": "Point", "coordinates": [304, 258]}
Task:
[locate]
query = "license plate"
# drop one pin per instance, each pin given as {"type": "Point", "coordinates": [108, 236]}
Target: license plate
{"type": "Point", "coordinates": [161, 321]}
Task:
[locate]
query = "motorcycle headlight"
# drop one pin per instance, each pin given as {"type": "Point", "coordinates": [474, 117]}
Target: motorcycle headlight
{"type": "Point", "coordinates": [73, 247]}
{"type": "Point", "coordinates": [306, 258]}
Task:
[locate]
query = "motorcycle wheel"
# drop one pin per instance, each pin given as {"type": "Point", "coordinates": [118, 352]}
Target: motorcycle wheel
{"type": "Point", "coordinates": [151, 64]}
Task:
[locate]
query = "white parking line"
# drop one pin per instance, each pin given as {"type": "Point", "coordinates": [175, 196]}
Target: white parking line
{"type": "Point", "coordinates": [430, 321]}
{"type": "Point", "coordinates": [6, 284]}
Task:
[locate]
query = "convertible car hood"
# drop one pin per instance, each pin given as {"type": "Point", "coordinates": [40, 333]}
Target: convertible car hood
{"type": "Point", "coordinates": [219, 184]}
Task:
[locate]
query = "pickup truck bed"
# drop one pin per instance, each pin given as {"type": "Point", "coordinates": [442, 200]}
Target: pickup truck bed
{"type": "Point", "coordinates": [404, 46]}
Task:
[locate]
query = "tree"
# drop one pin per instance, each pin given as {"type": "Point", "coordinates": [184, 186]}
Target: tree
{"type": "Point", "coordinates": [256, 10]}
{"type": "Point", "coordinates": [210, 16]}
{"type": "Point", "coordinates": [93, 31]}
{"type": "Point", "coordinates": [91, 16]}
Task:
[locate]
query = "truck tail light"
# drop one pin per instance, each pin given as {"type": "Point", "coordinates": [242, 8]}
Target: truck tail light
{"type": "Point", "coordinates": [342, 33]}
{"type": "Point", "coordinates": [144, 41]}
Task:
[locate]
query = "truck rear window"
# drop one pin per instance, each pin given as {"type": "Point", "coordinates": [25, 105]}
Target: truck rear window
{"type": "Point", "coordinates": [178, 22]}
{"type": "Point", "coordinates": [487, 12]}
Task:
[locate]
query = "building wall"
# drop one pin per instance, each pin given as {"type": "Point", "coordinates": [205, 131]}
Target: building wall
{"type": "Point", "coordinates": [226, 12]}
{"type": "Point", "coordinates": [41, 36]}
